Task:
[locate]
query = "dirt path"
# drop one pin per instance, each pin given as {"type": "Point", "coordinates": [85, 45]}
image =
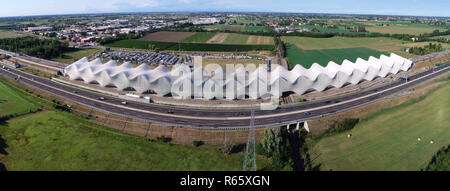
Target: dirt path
{"type": "Point", "coordinates": [218, 38]}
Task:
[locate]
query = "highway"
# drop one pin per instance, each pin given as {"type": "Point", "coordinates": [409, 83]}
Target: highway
{"type": "Point", "coordinates": [216, 118]}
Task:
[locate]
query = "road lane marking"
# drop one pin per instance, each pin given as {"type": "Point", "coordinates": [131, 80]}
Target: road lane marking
{"type": "Point", "coordinates": [228, 118]}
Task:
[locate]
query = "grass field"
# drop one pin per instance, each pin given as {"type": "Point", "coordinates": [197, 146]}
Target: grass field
{"type": "Point", "coordinates": [305, 50]}
{"type": "Point", "coordinates": [388, 140]}
{"type": "Point", "coordinates": [13, 103]}
{"type": "Point", "coordinates": [59, 141]}
{"type": "Point", "coordinates": [402, 28]}
{"type": "Point", "coordinates": [234, 38]}
{"type": "Point", "coordinates": [307, 57]}
{"type": "Point", "coordinates": [12, 34]}
{"type": "Point", "coordinates": [223, 27]}
{"type": "Point", "coordinates": [55, 140]}
{"type": "Point", "coordinates": [323, 29]}
{"type": "Point", "coordinates": [255, 29]}
{"type": "Point", "coordinates": [71, 57]}
{"type": "Point", "coordinates": [381, 44]}
{"type": "Point", "coordinates": [200, 37]}
{"type": "Point", "coordinates": [165, 36]}
{"type": "Point", "coordinates": [141, 44]}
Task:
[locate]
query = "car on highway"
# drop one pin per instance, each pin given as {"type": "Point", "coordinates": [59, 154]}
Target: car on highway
{"type": "Point", "coordinates": [306, 113]}
{"type": "Point", "coordinates": [124, 103]}
{"type": "Point", "coordinates": [169, 111]}
{"type": "Point", "coordinates": [101, 98]}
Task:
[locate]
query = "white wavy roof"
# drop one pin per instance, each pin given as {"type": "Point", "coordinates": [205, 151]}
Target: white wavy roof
{"type": "Point", "coordinates": [298, 80]}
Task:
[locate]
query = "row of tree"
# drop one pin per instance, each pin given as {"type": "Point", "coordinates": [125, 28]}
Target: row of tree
{"type": "Point", "coordinates": [429, 48]}
{"type": "Point", "coordinates": [42, 48]}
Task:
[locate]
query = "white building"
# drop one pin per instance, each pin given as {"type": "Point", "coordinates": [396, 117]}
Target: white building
{"type": "Point", "coordinates": [205, 21]}
{"type": "Point", "coordinates": [298, 80]}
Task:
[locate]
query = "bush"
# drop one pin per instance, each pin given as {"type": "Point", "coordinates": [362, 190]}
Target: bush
{"type": "Point", "coordinates": [338, 127]}
{"type": "Point", "coordinates": [299, 100]}
{"type": "Point", "coordinates": [164, 139]}
{"type": "Point", "coordinates": [197, 143]}
{"type": "Point", "coordinates": [227, 147]}
{"type": "Point", "coordinates": [276, 145]}
{"type": "Point", "coordinates": [440, 161]}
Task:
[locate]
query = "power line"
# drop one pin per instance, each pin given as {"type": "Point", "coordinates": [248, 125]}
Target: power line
{"type": "Point", "coordinates": [250, 153]}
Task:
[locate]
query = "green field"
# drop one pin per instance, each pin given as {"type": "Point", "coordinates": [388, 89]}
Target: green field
{"type": "Point", "coordinates": [234, 38]}
{"type": "Point", "coordinates": [72, 56]}
{"type": "Point", "coordinates": [12, 34]}
{"type": "Point", "coordinates": [223, 27]}
{"type": "Point", "coordinates": [388, 140]}
{"type": "Point", "coordinates": [306, 50]}
{"type": "Point", "coordinates": [200, 37]}
{"type": "Point", "coordinates": [379, 43]}
{"type": "Point", "coordinates": [307, 57]}
{"type": "Point", "coordinates": [401, 28]}
{"type": "Point", "coordinates": [13, 103]}
{"type": "Point", "coordinates": [255, 29]}
{"type": "Point", "coordinates": [140, 44]}
{"type": "Point", "coordinates": [56, 140]}
{"type": "Point", "coordinates": [323, 29]}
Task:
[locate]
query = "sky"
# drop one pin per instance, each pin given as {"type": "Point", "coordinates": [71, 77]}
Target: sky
{"type": "Point", "coordinates": [382, 7]}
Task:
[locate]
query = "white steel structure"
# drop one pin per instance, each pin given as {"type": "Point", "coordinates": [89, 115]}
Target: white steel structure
{"type": "Point", "coordinates": [243, 82]}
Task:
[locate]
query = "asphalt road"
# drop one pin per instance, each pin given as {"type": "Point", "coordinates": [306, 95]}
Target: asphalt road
{"type": "Point", "coordinates": [219, 118]}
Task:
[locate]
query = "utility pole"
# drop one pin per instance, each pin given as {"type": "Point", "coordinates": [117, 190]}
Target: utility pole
{"type": "Point", "coordinates": [250, 153]}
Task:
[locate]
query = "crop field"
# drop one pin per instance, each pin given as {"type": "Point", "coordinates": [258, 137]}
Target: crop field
{"type": "Point", "coordinates": [323, 29]}
{"type": "Point", "coordinates": [242, 28]}
{"type": "Point", "coordinates": [200, 37]}
{"type": "Point", "coordinates": [12, 34]}
{"type": "Point", "coordinates": [252, 39]}
{"type": "Point", "coordinates": [154, 45]}
{"type": "Point", "coordinates": [389, 139]}
{"type": "Point", "coordinates": [307, 57]}
{"type": "Point", "coordinates": [223, 27]}
{"type": "Point", "coordinates": [56, 140]}
{"type": "Point", "coordinates": [218, 38]}
{"type": "Point", "coordinates": [167, 36]}
{"type": "Point", "coordinates": [255, 29]}
{"type": "Point", "coordinates": [234, 38]}
{"type": "Point", "coordinates": [402, 28]}
{"type": "Point", "coordinates": [379, 43]}
{"type": "Point", "coordinates": [13, 103]}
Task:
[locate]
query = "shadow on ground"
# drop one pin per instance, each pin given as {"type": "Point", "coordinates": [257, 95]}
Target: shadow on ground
{"type": "Point", "coordinates": [3, 147]}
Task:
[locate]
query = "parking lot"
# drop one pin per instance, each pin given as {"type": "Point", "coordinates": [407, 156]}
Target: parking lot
{"type": "Point", "coordinates": [153, 59]}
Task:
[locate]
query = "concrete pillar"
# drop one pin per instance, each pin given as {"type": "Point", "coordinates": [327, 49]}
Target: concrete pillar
{"type": "Point", "coordinates": [305, 125]}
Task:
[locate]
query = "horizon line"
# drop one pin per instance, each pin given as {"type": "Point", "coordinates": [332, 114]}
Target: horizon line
{"type": "Point", "coordinates": [272, 12]}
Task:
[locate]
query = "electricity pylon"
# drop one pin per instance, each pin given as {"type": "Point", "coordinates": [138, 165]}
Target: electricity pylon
{"type": "Point", "coordinates": [250, 153]}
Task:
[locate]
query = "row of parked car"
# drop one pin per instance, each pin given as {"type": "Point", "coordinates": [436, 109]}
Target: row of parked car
{"type": "Point", "coordinates": [154, 59]}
